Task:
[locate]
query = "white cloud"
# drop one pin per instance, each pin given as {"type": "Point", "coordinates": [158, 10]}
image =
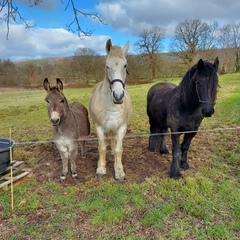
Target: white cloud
{"type": "Point", "coordinates": [132, 16]}
{"type": "Point", "coordinates": [38, 42]}
{"type": "Point", "coordinates": [125, 19]}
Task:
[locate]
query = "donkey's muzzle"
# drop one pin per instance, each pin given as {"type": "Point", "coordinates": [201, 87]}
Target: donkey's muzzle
{"type": "Point", "coordinates": [55, 121]}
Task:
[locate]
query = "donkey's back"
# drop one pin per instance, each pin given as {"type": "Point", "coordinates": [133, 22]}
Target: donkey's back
{"type": "Point", "coordinates": [80, 114]}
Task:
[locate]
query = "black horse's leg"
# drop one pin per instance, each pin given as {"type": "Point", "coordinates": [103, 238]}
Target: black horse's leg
{"type": "Point", "coordinates": [176, 157]}
{"type": "Point", "coordinates": [155, 139]}
{"type": "Point", "coordinates": [163, 147]}
{"type": "Point", "coordinates": [184, 148]}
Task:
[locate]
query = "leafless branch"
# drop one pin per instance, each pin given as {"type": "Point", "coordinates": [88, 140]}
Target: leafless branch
{"type": "Point", "coordinates": [13, 13]}
{"type": "Point", "coordinates": [76, 13]}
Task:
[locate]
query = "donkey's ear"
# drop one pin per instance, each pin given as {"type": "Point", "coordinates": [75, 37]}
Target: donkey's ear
{"type": "Point", "coordinates": [200, 65]}
{"type": "Point", "coordinates": [59, 85]}
{"type": "Point", "coordinates": [108, 45]}
{"type": "Point", "coordinates": [46, 85]}
{"type": "Point", "coordinates": [216, 64]}
{"type": "Point", "coordinates": [125, 48]}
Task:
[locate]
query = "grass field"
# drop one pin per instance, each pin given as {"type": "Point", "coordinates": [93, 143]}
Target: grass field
{"type": "Point", "coordinates": [204, 204]}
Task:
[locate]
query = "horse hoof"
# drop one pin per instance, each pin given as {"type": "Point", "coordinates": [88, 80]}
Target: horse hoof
{"type": "Point", "coordinates": [99, 176]}
{"type": "Point", "coordinates": [119, 179]}
{"type": "Point", "coordinates": [164, 153]}
{"type": "Point", "coordinates": [175, 176]}
{"type": "Point", "coordinates": [184, 166]}
{"type": "Point", "coordinates": [74, 176]}
{"type": "Point", "coordinates": [62, 178]}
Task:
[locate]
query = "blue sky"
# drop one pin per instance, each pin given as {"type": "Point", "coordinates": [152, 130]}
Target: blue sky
{"type": "Point", "coordinates": [125, 20]}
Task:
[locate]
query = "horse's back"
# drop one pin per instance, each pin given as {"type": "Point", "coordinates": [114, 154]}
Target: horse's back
{"type": "Point", "coordinates": [81, 115]}
{"type": "Point", "coordinates": [158, 88]}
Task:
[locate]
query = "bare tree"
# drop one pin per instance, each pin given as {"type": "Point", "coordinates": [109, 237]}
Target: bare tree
{"type": "Point", "coordinates": [193, 36]}
{"type": "Point", "coordinates": [229, 38]}
{"type": "Point", "coordinates": [84, 62]}
{"type": "Point", "coordinates": [150, 43]}
{"type": "Point", "coordinates": [10, 11]}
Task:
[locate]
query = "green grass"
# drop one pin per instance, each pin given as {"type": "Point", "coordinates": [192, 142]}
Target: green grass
{"type": "Point", "coordinates": [202, 205]}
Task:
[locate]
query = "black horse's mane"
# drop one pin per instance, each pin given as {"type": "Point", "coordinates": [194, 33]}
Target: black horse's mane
{"type": "Point", "coordinates": [187, 85]}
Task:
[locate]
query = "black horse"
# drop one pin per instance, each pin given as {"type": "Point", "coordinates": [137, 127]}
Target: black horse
{"type": "Point", "coordinates": [182, 109]}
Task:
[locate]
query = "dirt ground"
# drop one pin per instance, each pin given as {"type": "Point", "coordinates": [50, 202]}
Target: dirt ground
{"type": "Point", "coordinates": [138, 162]}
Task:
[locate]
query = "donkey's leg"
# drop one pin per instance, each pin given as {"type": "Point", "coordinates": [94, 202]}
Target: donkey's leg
{"type": "Point", "coordinates": [64, 156]}
{"type": "Point", "coordinates": [82, 146]}
{"type": "Point", "coordinates": [176, 157]}
{"type": "Point", "coordinates": [102, 148]}
{"type": "Point", "coordinates": [118, 167]}
{"type": "Point", "coordinates": [184, 148]}
{"type": "Point", "coordinates": [72, 156]}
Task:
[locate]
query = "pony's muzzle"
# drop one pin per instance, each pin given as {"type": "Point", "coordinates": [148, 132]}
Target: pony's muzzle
{"type": "Point", "coordinates": [118, 98]}
{"type": "Point", "coordinates": [208, 111]}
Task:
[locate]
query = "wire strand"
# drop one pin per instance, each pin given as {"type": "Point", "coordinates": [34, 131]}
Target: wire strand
{"type": "Point", "coordinates": [130, 136]}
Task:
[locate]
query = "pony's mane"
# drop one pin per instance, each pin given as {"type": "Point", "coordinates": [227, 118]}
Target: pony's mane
{"type": "Point", "coordinates": [186, 85]}
{"type": "Point", "coordinates": [116, 51]}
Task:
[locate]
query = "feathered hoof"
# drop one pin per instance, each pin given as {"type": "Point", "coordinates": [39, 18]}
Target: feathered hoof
{"type": "Point", "coordinates": [176, 176]}
{"type": "Point", "coordinates": [184, 166]}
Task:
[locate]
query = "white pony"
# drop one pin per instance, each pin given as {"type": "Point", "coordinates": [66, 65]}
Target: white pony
{"type": "Point", "coordinates": [110, 108]}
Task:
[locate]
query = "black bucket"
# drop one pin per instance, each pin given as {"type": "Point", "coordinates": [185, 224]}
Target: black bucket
{"type": "Point", "coordinates": [5, 153]}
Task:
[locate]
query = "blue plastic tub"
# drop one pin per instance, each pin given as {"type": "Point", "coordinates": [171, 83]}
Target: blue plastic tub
{"type": "Point", "coordinates": [5, 153]}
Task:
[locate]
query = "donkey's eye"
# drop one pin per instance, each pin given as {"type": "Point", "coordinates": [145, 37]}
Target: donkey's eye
{"type": "Point", "coordinates": [47, 100]}
{"type": "Point", "coordinates": [62, 101]}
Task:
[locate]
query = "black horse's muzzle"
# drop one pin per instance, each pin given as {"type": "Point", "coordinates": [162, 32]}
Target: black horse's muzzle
{"type": "Point", "coordinates": [207, 108]}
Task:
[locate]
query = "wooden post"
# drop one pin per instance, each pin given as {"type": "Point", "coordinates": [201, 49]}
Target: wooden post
{"type": "Point", "coordinates": [10, 139]}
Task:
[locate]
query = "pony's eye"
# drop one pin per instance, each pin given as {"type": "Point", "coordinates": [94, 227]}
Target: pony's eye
{"type": "Point", "coordinates": [125, 66]}
{"type": "Point", "coordinates": [107, 67]}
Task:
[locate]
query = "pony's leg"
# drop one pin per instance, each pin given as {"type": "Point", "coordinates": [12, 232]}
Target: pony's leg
{"type": "Point", "coordinates": [163, 147]}
{"type": "Point", "coordinates": [156, 141]}
{"type": "Point", "coordinates": [72, 156]}
{"type": "Point", "coordinates": [184, 148]}
{"type": "Point", "coordinates": [176, 157]}
{"type": "Point", "coordinates": [118, 167]}
{"type": "Point", "coordinates": [102, 148]}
